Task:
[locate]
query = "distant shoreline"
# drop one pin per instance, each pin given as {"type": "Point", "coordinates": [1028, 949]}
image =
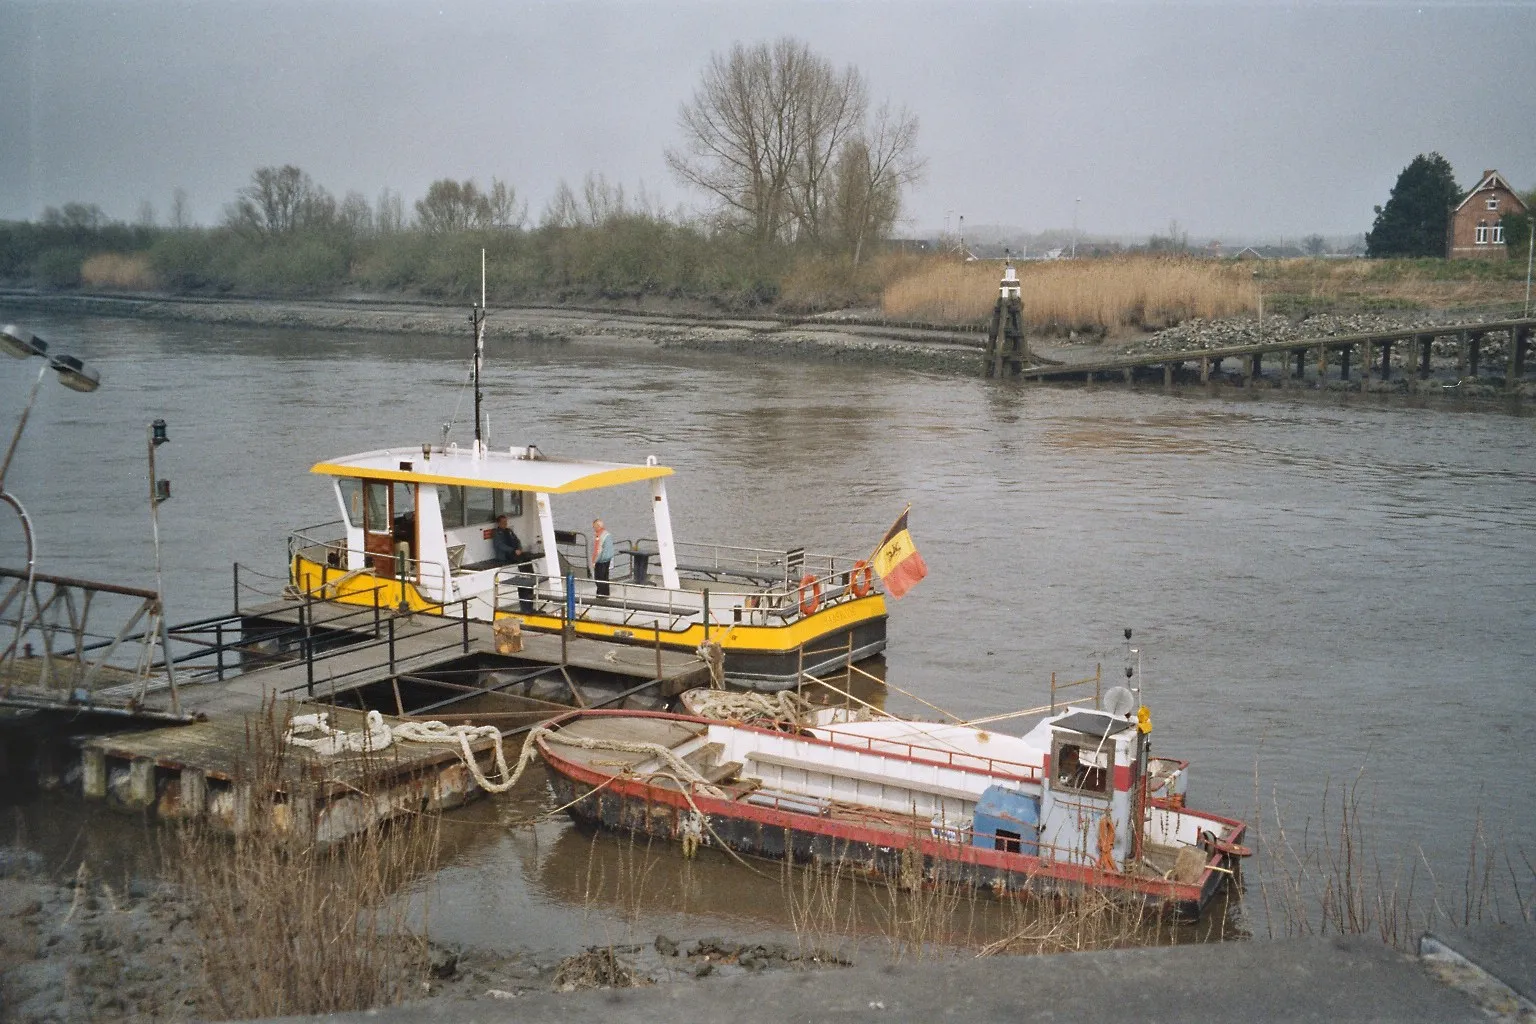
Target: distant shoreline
{"type": "Point", "coordinates": [839, 340]}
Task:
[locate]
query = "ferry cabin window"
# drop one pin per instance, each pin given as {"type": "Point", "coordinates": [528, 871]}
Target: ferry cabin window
{"type": "Point", "coordinates": [352, 500]}
{"type": "Point", "coordinates": [405, 511]}
{"type": "Point", "coordinates": [451, 502]}
{"type": "Point", "coordinates": [376, 507]}
{"type": "Point", "coordinates": [1008, 842]}
{"type": "Point", "coordinates": [1082, 768]}
{"type": "Point", "coordinates": [474, 506]}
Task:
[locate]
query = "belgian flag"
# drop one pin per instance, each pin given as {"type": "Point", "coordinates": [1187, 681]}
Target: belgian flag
{"type": "Point", "coordinates": [897, 560]}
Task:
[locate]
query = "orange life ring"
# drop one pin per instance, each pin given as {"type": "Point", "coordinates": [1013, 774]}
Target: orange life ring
{"type": "Point", "coordinates": [862, 579]}
{"type": "Point", "coordinates": [810, 594]}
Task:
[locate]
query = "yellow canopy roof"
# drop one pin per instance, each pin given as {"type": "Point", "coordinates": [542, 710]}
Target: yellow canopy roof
{"type": "Point", "coordinates": [512, 470]}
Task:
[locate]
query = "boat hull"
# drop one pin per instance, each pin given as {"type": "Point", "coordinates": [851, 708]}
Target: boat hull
{"type": "Point", "coordinates": [766, 658]}
{"type": "Point", "coordinates": [595, 800]}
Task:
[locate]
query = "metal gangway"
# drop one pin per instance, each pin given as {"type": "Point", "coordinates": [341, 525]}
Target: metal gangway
{"type": "Point", "coordinates": [84, 646]}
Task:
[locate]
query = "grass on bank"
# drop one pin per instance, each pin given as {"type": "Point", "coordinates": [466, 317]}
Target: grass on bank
{"type": "Point", "coordinates": [288, 927]}
{"type": "Point", "coordinates": [1091, 295]}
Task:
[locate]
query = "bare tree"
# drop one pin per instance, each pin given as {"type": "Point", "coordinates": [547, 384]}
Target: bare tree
{"type": "Point", "coordinates": [833, 109]}
{"type": "Point", "coordinates": [146, 217]}
{"type": "Point", "coordinates": [280, 200]}
{"type": "Point", "coordinates": [562, 210]}
{"type": "Point", "coordinates": [783, 143]}
{"type": "Point", "coordinates": [871, 172]}
{"type": "Point", "coordinates": [388, 212]}
{"type": "Point", "coordinates": [598, 204]}
{"type": "Point", "coordinates": [181, 217]}
{"type": "Point", "coordinates": [355, 215]}
{"type": "Point", "coordinates": [744, 131]}
{"type": "Point", "coordinates": [453, 206]}
{"type": "Point", "coordinates": [602, 202]}
{"type": "Point", "coordinates": [505, 213]}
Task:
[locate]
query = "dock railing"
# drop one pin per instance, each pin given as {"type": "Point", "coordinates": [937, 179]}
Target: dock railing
{"type": "Point", "coordinates": [84, 645]}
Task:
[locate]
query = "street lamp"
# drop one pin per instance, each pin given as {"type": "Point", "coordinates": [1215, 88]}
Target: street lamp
{"type": "Point", "coordinates": [73, 374]}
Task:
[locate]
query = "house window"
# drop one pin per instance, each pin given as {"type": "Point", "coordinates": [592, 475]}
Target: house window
{"type": "Point", "coordinates": [1493, 202]}
{"type": "Point", "coordinates": [1498, 234]}
{"type": "Point", "coordinates": [1482, 232]}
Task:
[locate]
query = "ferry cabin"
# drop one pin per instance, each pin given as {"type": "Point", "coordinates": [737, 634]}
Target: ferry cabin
{"type": "Point", "coordinates": [416, 531]}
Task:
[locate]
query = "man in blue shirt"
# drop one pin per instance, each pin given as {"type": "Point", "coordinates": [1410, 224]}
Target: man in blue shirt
{"type": "Point", "coordinates": [602, 556]}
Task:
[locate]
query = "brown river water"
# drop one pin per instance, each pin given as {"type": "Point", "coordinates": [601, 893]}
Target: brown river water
{"type": "Point", "coordinates": [1328, 591]}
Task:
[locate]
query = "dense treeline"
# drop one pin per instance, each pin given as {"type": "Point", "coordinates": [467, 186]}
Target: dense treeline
{"type": "Point", "coordinates": [306, 245]}
{"type": "Point", "coordinates": [283, 236]}
{"type": "Point", "coordinates": [802, 178]}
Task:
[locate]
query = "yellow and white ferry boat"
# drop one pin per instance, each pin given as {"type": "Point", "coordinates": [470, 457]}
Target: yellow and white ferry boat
{"type": "Point", "coordinates": [416, 531]}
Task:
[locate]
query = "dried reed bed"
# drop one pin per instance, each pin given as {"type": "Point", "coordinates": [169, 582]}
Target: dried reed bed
{"type": "Point", "coordinates": [918, 917]}
{"type": "Point", "coordinates": [1094, 295]}
{"type": "Point", "coordinates": [1326, 877]}
{"type": "Point", "coordinates": [288, 927]}
{"type": "Point", "coordinates": [1296, 285]}
{"type": "Point", "coordinates": [116, 270]}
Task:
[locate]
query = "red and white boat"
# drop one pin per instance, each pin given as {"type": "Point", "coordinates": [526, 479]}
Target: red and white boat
{"type": "Point", "coordinates": [1076, 802]}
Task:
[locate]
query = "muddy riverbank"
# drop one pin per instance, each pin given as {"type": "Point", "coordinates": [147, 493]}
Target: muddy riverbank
{"type": "Point", "coordinates": [84, 948]}
{"type": "Point", "coordinates": [845, 339]}
{"type": "Point", "coordinates": [858, 337]}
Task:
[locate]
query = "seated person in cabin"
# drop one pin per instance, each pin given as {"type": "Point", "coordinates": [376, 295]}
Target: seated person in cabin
{"type": "Point", "coordinates": [505, 544]}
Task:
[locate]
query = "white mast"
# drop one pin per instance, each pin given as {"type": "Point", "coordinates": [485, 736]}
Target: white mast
{"type": "Point", "coordinates": [477, 317]}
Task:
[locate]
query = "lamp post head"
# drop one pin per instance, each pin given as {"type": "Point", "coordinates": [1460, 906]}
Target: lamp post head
{"type": "Point", "coordinates": [20, 343]}
{"type": "Point", "coordinates": [74, 374]}
{"type": "Point", "coordinates": [157, 433]}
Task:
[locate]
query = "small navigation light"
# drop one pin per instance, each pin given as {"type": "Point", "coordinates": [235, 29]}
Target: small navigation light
{"type": "Point", "coordinates": [158, 434]}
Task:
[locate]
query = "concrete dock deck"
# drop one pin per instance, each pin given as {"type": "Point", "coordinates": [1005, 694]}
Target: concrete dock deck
{"type": "Point", "coordinates": [233, 768]}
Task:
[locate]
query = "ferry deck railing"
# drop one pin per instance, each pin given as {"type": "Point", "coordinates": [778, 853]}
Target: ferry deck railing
{"type": "Point", "coordinates": [335, 554]}
{"type": "Point", "coordinates": [653, 607]}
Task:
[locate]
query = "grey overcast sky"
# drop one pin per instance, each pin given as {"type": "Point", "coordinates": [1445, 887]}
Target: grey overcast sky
{"type": "Point", "coordinates": [1235, 119]}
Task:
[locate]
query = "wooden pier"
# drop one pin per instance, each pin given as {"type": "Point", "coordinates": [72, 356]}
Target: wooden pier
{"type": "Point", "coordinates": [231, 767]}
{"type": "Point", "coordinates": [1296, 356]}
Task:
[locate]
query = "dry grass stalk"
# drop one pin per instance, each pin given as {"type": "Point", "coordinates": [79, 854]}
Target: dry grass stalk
{"type": "Point", "coordinates": [1329, 880]}
{"type": "Point", "coordinates": [312, 929]}
{"type": "Point", "coordinates": [1101, 295]}
{"type": "Point", "coordinates": [116, 270]}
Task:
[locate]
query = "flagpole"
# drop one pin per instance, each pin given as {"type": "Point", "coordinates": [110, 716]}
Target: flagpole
{"type": "Point", "coordinates": [881, 542]}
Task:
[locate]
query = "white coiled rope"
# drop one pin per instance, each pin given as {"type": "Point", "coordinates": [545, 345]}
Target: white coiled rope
{"type": "Point", "coordinates": [378, 736]}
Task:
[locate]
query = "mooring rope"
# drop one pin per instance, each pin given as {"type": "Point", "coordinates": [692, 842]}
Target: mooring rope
{"type": "Point", "coordinates": [727, 706]}
{"type": "Point", "coordinates": [376, 736]}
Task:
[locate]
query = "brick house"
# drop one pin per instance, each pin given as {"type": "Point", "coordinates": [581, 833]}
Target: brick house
{"type": "Point", "coordinates": [1474, 231]}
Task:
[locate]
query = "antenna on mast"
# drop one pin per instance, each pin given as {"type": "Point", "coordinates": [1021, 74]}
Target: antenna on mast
{"type": "Point", "coordinates": [477, 320]}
